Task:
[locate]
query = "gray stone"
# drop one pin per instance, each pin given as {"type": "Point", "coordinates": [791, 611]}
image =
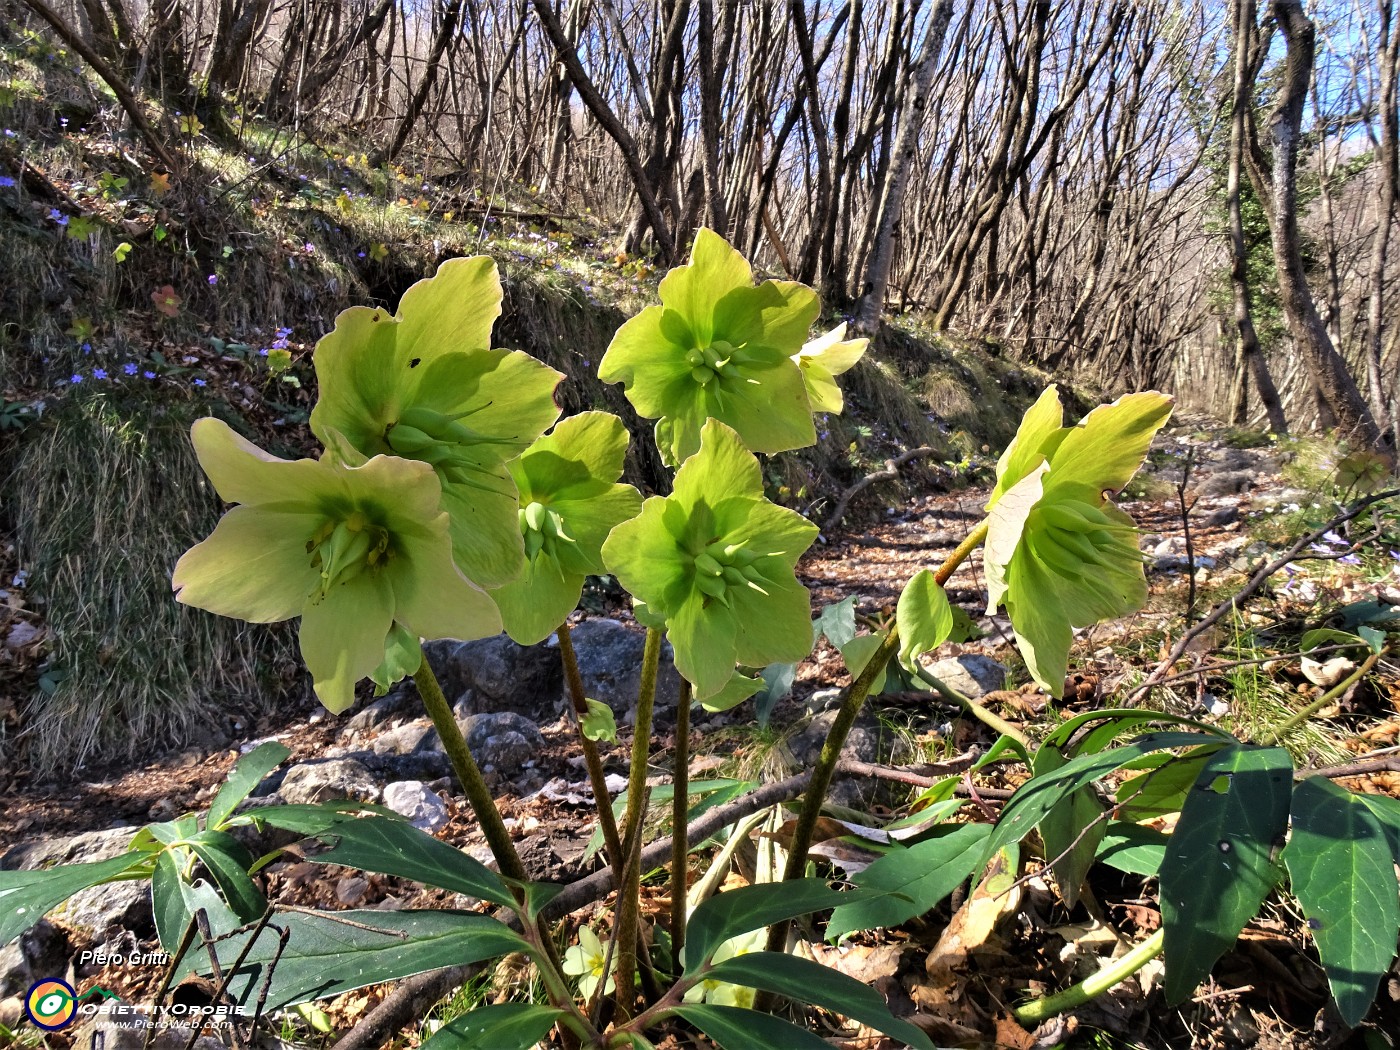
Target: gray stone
{"type": "Point", "coordinates": [394, 703]}
{"type": "Point", "coordinates": [610, 661]}
{"type": "Point", "coordinates": [502, 741]}
{"type": "Point", "coordinates": [41, 951]}
{"type": "Point", "coordinates": [1221, 516]}
{"type": "Point", "coordinates": [1226, 483]}
{"type": "Point", "coordinates": [109, 1033]}
{"type": "Point", "coordinates": [824, 699]}
{"type": "Point", "coordinates": [404, 740]}
{"type": "Point", "coordinates": [501, 675]}
{"type": "Point", "coordinates": [971, 674]}
{"type": "Point", "coordinates": [123, 904]}
{"type": "Point", "coordinates": [15, 978]}
{"type": "Point", "coordinates": [337, 778]}
{"type": "Point", "coordinates": [868, 741]}
{"type": "Point", "coordinates": [67, 849]}
{"type": "Point", "coordinates": [413, 799]}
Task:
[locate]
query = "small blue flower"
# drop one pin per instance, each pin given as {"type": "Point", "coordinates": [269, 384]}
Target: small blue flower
{"type": "Point", "coordinates": [200, 382]}
{"type": "Point", "coordinates": [58, 217]}
{"type": "Point", "coordinates": [86, 348]}
{"type": "Point", "coordinates": [262, 352]}
{"type": "Point", "coordinates": [129, 368]}
{"type": "Point", "coordinates": [213, 279]}
{"type": "Point", "coordinates": [6, 182]}
{"type": "Point", "coordinates": [1350, 559]}
{"type": "Point", "coordinates": [149, 374]}
{"type": "Point", "coordinates": [358, 255]}
{"type": "Point", "coordinates": [99, 373]}
{"type": "Point", "coordinates": [76, 377]}
{"type": "Point", "coordinates": [9, 134]}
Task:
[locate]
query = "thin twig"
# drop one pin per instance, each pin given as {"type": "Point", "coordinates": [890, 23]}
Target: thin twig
{"type": "Point", "coordinates": [1247, 591]}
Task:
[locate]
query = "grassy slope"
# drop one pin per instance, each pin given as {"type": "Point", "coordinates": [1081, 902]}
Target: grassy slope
{"type": "Point", "coordinates": [255, 236]}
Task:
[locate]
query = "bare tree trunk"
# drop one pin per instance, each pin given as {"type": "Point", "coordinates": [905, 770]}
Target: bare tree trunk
{"type": "Point", "coordinates": [1335, 384]}
{"type": "Point", "coordinates": [1248, 354]}
{"type": "Point", "coordinates": [1388, 180]}
{"type": "Point", "coordinates": [452, 12]}
{"type": "Point", "coordinates": [877, 274]}
{"type": "Point", "coordinates": [588, 91]}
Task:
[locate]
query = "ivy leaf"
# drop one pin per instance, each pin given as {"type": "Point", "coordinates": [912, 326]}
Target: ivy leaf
{"type": "Point", "coordinates": [1340, 868]}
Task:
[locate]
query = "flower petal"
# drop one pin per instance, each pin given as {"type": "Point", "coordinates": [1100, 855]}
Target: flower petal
{"type": "Point", "coordinates": [772, 414]}
{"type": "Point", "coordinates": [694, 290]}
{"type": "Point", "coordinates": [723, 468]}
{"type": "Point", "coordinates": [485, 528]}
{"type": "Point", "coordinates": [702, 632]}
{"type": "Point", "coordinates": [643, 554]}
{"type": "Point", "coordinates": [1042, 421]}
{"type": "Point", "coordinates": [534, 605]}
{"type": "Point", "coordinates": [362, 385]}
{"type": "Point", "coordinates": [451, 311]}
{"type": "Point", "coordinates": [431, 596]}
{"type": "Point", "coordinates": [505, 395]}
{"type": "Point", "coordinates": [342, 636]}
{"type": "Point", "coordinates": [1103, 453]}
{"type": "Point", "coordinates": [253, 567]}
{"type": "Point", "coordinates": [243, 473]}
{"type": "Point", "coordinates": [777, 625]}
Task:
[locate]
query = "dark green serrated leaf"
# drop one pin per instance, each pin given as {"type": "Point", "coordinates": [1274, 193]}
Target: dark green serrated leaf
{"type": "Point", "coordinates": [1072, 831]}
{"type": "Point", "coordinates": [734, 1028]}
{"type": "Point", "coordinates": [26, 896]}
{"type": "Point", "coordinates": [228, 862]}
{"type": "Point", "coordinates": [506, 1026]}
{"type": "Point", "coordinates": [1219, 864]}
{"type": "Point", "coordinates": [912, 881]}
{"type": "Point", "coordinates": [750, 908]}
{"type": "Point", "coordinates": [392, 846]}
{"type": "Point", "coordinates": [1342, 872]}
{"type": "Point", "coordinates": [1160, 791]}
{"type": "Point", "coordinates": [310, 819]}
{"type": "Point", "coordinates": [810, 982]}
{"type": "Point", "coordinates": [1039, 795]}
{"type": "Point", "coordinates": [334, 952]}
{"type": "Point", "coordinates": [174, 902]}
{"type": "Point", "coordinates": [246, 775]}
{"type": "Point", "coordinates": [1133, 848]}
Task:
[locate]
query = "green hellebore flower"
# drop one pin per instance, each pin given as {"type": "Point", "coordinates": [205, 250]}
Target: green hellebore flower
{"type": "Point", "coordinates": [570, 501]}
{"type": "Point", "coordinates": [1059, 555]}
{"type": "Point", "coordinates": [353, 551]}
{"type": "Point", "coordinates": [718, 348]}
{"type": "Point", "coordinates": [423, 384]}
{"type": "Point", "coordinates": [715, 560]}
{"type": "Point", "coordinates": [822, 360]}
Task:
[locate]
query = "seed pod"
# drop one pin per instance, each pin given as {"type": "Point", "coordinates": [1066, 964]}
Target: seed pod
{"type": "Point", "coordinates": [706, 564]}
{"type": "Point", "coordinates": [534, 516]}
{"type": "Point", "coordinates": [711, 586]}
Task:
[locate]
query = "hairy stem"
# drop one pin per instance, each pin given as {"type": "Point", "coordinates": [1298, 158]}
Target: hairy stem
{"type": "Point", "coordinates": [680, 798]}
{"type": "Point", "coordinates": [469, 774]}
{"type": "Point", "coordinates": [628, 903]}
{"type": "Point", "coordinates": [815, 796]}
{"type": "Point", "coordinates": [1033, 1013]}
{"type": "Point", "coordinates": [592, 760]}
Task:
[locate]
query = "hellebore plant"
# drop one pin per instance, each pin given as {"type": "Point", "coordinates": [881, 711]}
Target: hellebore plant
{"type": "Point", "coordinates": [442, 509]}
{"type": "Point", "coordinates": [1059, 554]}
{"type": "Point", "coordinates": [714, 561]}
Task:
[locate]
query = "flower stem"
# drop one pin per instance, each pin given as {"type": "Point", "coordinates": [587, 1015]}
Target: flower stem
{"type": "Point", "coordinates": [1038, 1010]}
{"type": "Point", "coordinates": [1293, 721]}
{"type": "Point", "coordinates": [628, 901]}
{"type": "Point", "coordinates": [574, 679]}
{"type": "Point", "coordinates": [972, 707]}
{"type": "Point", "coordinates": [473, 785]}
{"type": "Point", "coordinates": [680, 799]}
{"type": "Point", "coordinates": [815, 796]}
